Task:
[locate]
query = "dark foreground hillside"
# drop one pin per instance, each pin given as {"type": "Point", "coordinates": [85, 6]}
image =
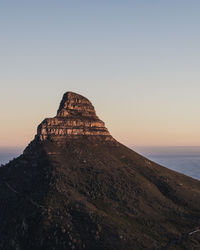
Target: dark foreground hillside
{"type": "Point", "coordinates": [75, 187]}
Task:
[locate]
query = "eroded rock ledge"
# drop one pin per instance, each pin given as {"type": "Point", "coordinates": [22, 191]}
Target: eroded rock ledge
{"type": "Point", "coordinates": [75, 117]}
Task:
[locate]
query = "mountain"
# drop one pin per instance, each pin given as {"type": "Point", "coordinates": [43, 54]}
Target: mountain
{"type": "Point", "coordinates": [76, 187]}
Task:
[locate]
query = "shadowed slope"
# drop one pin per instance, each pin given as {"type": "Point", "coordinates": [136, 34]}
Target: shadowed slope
{"type": "Point", "coordinates": [87, 191]}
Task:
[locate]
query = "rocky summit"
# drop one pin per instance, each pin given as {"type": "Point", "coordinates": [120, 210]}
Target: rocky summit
{"type": "Point", "coordinates": [75, 117]}
{"type": "Point", "coordinates": [76, 187]}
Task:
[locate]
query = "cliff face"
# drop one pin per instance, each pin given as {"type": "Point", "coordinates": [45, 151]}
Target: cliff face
{"type": "Point", "coordinates": [76, 117]}
{"type": "Point", "coordinates": [75, 187]}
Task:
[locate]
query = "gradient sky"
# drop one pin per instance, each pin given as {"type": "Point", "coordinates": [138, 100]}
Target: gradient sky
{"type": "Point", "coordinates": [137, 61]}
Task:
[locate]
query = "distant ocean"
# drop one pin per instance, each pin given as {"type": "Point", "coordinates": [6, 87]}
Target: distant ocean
{"type": "Point", "coordinates": [8, 153]}
{"type": "Point", "coordinates": [185, 160]}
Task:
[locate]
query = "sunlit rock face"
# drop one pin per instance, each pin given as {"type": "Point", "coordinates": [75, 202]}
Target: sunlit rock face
{"type": "Point", "coordinates": [75, 117]}
{"type": "Point", "coordinates": [73, 104]}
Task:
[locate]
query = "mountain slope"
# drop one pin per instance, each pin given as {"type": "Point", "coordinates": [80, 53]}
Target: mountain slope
{"type": "Point", "coordinates": [76, 187]}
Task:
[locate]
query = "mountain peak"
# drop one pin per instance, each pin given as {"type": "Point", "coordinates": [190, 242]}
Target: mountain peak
{"type": "Point", "coordinates": [75, 104]}
{"type": "Point", "coordinates": [70, 192]}
{"type": "Point", "coordinates": [75, 117]}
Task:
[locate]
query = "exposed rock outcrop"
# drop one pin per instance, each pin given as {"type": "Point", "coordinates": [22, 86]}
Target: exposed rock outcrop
{"type": "Point", "coordinates": [76, 117]}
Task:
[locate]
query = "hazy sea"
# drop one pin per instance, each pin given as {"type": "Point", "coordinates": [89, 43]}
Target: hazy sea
{"type": "Point", "coordinates": [8, 153]}
{"type": "Point", "coordinates": [185, 160]}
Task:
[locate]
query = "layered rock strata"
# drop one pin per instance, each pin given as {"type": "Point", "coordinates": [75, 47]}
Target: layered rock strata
{"type": "Point", "coordinates": [75, 117]}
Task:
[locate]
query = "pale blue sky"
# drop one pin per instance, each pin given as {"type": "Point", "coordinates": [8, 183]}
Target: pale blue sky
{"type": "Point", "coordinates": [137, 61]}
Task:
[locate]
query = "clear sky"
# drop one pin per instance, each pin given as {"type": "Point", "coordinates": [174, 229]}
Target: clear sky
{"type": "Point", "coordinates": [137, 61]}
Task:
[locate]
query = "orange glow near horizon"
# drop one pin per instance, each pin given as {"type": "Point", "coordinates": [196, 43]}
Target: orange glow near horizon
{"type": "Point", "coordinates": [138, 65]}
{"type": "Point", "coordinates": [131, 132]}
